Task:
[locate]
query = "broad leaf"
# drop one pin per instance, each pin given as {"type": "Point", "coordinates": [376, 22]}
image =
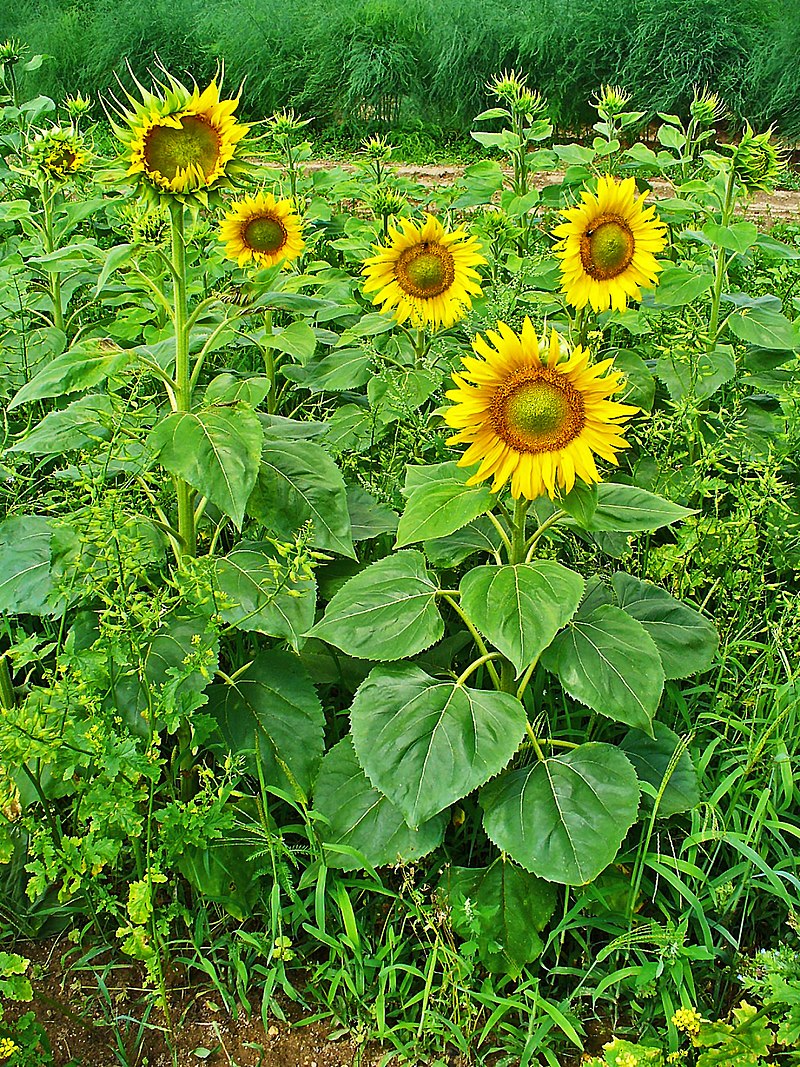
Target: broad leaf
{"type": "Point", "coordinates": [386, 612]}
{"type": "Point", "coordinates": [439, 503]}
{"type": "Point", "coordinates": [215, 450]}
{"type": "Point", "coordinates": [685, 639]}
{"type": "Point", "coordinates": [359, 817]}
{"type": "Point", "coordinates": [564, 818]}
{"type": "Point", "coordinates": [273, 710]}
{"type": "Point", "coordinates": [256, 600]}
{"type": "Point", "coordinates": [736, 238]}
{"type": "Point", "coordinates": [83, 367]}
{"type": "Point", "coordinates": [83, 424]}
{"type": "Point", "coordinates": [511, 907]}
{"type": "Point", "coordinates": [426, 743]}
{"type": "Point", "coordinates": [630, 509]}
{"type": "Point", "coordinates": [298, 482]}
{"type": "Point", "coordinates": [700, 374]}
{"type": "Point", "coordinates": [26, 585]}
{"type": "Point", "coordinates": [678, 286]}
{"type": "Point", "coordinates": [663, 762]}
{"type": "Point", "coordinates": [521, 608]}
{"type": "Point", "coordinates": [764, 328]}
{"type": "Point", "coordinates": [608, 661]}
{"type": "Point", "coordinates": [369, 518]}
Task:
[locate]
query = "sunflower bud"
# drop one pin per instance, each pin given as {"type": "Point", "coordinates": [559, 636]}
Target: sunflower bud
{"type": "Point", "coordinates": [58, 154]}
{"type": "Point", "coordinates": [757, 162]}
{"type": "Point", "coordinates": [706, 107]}
{"type": "Point", "coordinates": [385, 202]}
{"type": "Point", "coordinates": [377, 149]}
{"type": "Point", "coordinates": [512, 89]}
{"type": "Point", "coordinates": [284, 124]}
{"type": "Point", "coordinates": [610, 102]}
{"type": "Point", "coordinates": [12, 51]}
{"type": "Point", "coordinates": [77, 106]}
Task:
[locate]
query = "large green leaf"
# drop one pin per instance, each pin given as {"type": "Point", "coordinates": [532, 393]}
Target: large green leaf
{"type": "Point", "coordinates": [736, 238]}
{"type": "Point", "coordinates": [608, 661]}
{"type": "Point", "coordinates": [685, 639]}
{"type": "Point", "coordinates": [256, 600]}
{"type": "Point", "coordinates": [765, 328]}
{"type": "Point", "coordinates": [630, 509]}
{"type": "Point", "coordinates": [225, 873]}
{"type": "Point", "coordinates": [564, 818]}
{"type": "Point", "coordinates": [511, 907]}
{"type": "Point", "coordinates": [678, 286]}
{"type": "Point", "coordinates": [480, 535]}
{"type": "Point", "coordinates": [426, 743]}
{"type": "Point", "coordinates": [26, 585]}
{"type": "Point", "coordinates": [440, 503]}
{"type": "Point", "coordinates": [84, 423]}
{"type": "Point", "coordinates": [521, 608]}
{"type": "Point", "coordinates": [83, 367]}
{"type": "Point", "coordinates": [273, 710]}
{"type": "Point", "coordinates": [699, 374]}
{"type": "Point", "coordinates": [216, 450]}
{"type": "Point", "coordinates": [357, 816]}
{"type": "Point", "coordinates": [663, 762]}
{"type": "Point", "coordinates": [298, 482]}
{"type": "Point", "coordinates": [368, 516]}
{"type": "Point", "coordinates": [386, 612]}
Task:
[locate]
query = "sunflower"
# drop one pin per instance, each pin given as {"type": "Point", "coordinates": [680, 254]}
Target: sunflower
{"type": "Point", "coordinates": [59, 154]}
{"type": "Point", "coordinates": [608, 246]}
{"type": "Point", "coordinates": [263, 229]}
{"type": "Point", "coordinates": [535, 417]}
{"type": "Point", "coordinates": [425, 274]}
{"type": "Point", "coordinates": [181, 143]}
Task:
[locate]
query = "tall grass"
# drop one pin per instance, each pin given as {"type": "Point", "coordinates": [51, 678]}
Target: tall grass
{"type": "Point", "coordinates": [361, 64]}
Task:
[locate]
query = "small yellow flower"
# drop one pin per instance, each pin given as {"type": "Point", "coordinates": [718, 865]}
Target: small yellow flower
{"type": "Point", "coordinates": [688, 1020]}
{"type": "Point", "coordinates": [263, 229]}
{"type": "Point", "coordinates": [7, 1048]}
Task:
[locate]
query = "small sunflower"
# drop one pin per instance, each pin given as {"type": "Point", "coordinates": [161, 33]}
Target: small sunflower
{"type": "Point", "coordinates": [181, 143]}
{"type": "Point", "coordinates": [425, 274]}
{"type": "Point", "coordinates": [534, 416]}
{"type": "Point", "coordinates": [263, 229]}
{"type": "Point", "coordinates": [608, 246]}
{"type": "Point", "coordinates": [58, 154]}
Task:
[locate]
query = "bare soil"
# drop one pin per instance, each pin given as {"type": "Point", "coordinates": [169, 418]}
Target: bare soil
{"type": "Point", "coordinates": [765, 209]}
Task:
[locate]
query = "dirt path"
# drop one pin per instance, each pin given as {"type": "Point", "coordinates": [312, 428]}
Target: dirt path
{"type": "Point", "coordinates": [783, 204]}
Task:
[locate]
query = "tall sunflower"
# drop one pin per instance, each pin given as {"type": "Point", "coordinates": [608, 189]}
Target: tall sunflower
{"type": "Point", "coordinates": [263, 229]}
{"type": "Point", "coordinates": [425, 274]}
{"type": "Point", "coordinates": [608, 246]}
{"type": "Point", "coordinates": [536, 417]}
{"type": "Point", "coordinates": [179, 142]}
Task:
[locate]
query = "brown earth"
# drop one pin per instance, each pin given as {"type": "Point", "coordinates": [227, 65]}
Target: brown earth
{"type": "Point", "coordinates": [782, 205]}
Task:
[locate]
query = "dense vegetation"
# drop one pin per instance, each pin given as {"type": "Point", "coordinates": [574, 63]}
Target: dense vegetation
{"type": "Point", "coordinates": [293, 711]}
{"type": "Point", "coordinates": [421, 65]}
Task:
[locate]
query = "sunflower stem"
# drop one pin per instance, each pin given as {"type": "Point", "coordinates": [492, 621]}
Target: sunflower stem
{"type": "Point", "coordinates": [50, 245]}
{"type": "Point", "coordinates": [719, 279]}
{"type": "Point", "coordinates": [8, 698]}
{"type": "Point", "coordinates": [183, 382]}
{"type": "Point", "coordinates": [269, 364]}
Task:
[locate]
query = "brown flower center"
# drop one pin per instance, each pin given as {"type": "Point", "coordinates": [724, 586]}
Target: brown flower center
{"type": "Point", "coordinates": [265, 234]}
{"type": "Point", "coordinates": [425, 270]}
{"type": "Point", "coordinates": [537, 410]}
{"type": "Point", "coordinates": [168, 150]}
{"type": "Point", "coordinates": [607, 247]}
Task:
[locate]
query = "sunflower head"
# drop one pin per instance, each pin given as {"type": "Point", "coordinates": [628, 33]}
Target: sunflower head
{"type": "Point", "coordinates": [608, 246]}
{"type": "Point", "coordinates": [181, 143]}
{"type": "Point", "coordinates": [706, 107]}
{"type": "Point", "coordinates": [58, 154]}
{"type": "Point", "coordinates": [534, 413]}
{"type": "Point", "coordinates": [425, 274]}
{"type": "Point", "coordinates": [757, 160]}
{"type": "Point", "coordinates": [263, 230]}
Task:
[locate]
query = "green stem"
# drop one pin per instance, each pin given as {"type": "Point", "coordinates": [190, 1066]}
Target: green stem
{"type": "Point", "coordinates": [515, 556]}
{"type": "Point", "coordinates": [719, 278]}
{"type": "Point", "coordinates": [476, 637]}
{"type": "Point", "coordinates": [269, 365]}
{"type": "Point", "coordinates": [475, 665]}
{"type": "Point", "coordinates": [183, 386]}
{"type": "Point", "coordinates": [8, 698]}
{"type": "Point", "coordinates": [54, 276]}
{"type": "Point", "coordinates": [537, 748]}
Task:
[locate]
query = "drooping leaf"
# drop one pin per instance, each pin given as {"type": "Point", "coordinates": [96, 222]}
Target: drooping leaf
{"type": "Point", "coordinates": [628, 508]}
{"type": "Point", "coordinates": [563, 818]}
{"type": "Point", "coordinates": [608, 661]}
{"type": "Point", "coordinates": [685, 639]}
{"type": "Point", "coordinates": [358, 816]}
{"type": "Point", "coordinates": [273, 710]}
{"type": "Point", "coordinates": [521, 608]}
{"type": "Point", "coordinates": [386, 612]}
{"type": "Point", "coordinates": [298, 482]}
{"type": "Point", "coordinates": [511, 907]}
{"type": "Point", "coordinates": [83, 424]}
{"type": "Point", "coordinates": [426, 743]}
{"type": "Point", "coordinates": [652, 758]}
{"type": "Point", "coordinates": [84, 366]}
{"type": "Point", "coordinates": [216, 450]}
